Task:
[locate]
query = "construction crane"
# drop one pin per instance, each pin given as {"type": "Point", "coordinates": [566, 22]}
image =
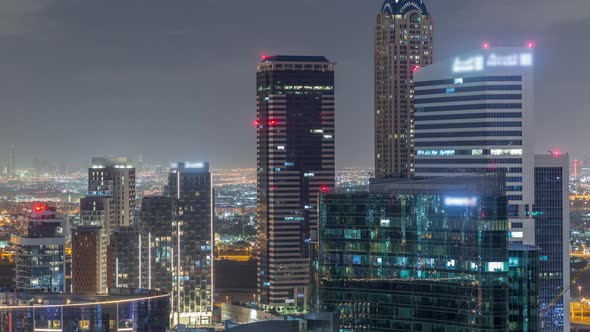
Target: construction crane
{"type": "Point", "coordinates": [565, 289]}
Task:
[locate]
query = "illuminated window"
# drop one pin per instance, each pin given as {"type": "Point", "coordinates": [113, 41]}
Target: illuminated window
{"type": "Point", "coordinates": [495, 267]}
{"type": "Point", "coordinates": [385, 222]}
{"type": "Point", "coordinates": [84, 324]}
{"type": "Point", "coordinates": [477, 152]}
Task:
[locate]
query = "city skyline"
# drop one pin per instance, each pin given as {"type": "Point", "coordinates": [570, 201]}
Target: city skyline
{"type": "Point", "coordinates": [164, 72]}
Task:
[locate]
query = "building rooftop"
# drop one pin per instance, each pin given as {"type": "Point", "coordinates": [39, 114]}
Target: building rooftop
{"type": "Point", "coordinates": [118, 162]}
{"type": "Point", "coordinates": [293, 58]}
{"type": "Point", "coordinates": [190, 166]}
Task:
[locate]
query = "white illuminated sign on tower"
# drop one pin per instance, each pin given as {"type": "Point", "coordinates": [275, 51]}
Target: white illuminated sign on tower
{"type": "Point", "coordinates": [480, 62]}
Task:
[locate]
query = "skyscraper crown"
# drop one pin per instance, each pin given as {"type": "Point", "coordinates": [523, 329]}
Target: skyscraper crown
{"type": "Point", "coordinates": [400, 7]}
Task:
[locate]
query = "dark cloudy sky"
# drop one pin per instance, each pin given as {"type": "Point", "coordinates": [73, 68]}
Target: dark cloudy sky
{"type": "Point", "coordinates": [174, 79]}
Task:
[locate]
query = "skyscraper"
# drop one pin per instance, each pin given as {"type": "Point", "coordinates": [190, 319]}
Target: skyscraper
{"type": "Point", "coordinates": [552, 232]}
{"type": "Point", "coordinates": [415, 255]}
{"type": "Point", "coordinates": [109, 204]}
{"type": "Point", "coordinates": [128, 249]}
{"type": "Point", "coordinates": [89, 260]}
{"type": "Point", "coordinates": [403, 44]}
{"type": "Point", "coordinates": [113, 179]}
{"type": "Point", "coordinates": [40, 252]}
{"type": "Point", "coordinates": [190, 185]}
{"type": "Point", "coordinates": [474, 114]}
{"type": "Point", "coordinates": [156, 219]}
{"type": "Point", "coordinates": [295, 162]}
{"type": "Point", "coordinates": [523, 276]}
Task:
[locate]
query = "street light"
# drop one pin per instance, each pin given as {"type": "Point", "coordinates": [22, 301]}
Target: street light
{"type": "Point", "coordinates": [579, 292]}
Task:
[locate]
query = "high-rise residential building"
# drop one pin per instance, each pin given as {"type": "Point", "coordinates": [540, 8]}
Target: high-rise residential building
{"type": "Point", "coordinates": [128, 251]}
{"type": "Point", "coordinates": [295, 162]}
{"type": "Point", "coordinates": [94, 211]}
{"type": "Point", "coordinates": [189, 183]}
{"type": "Point", "coordinates": [89, 260]}
{"type": "Point", "coordinates": [415, 255]}
{"type": "Point", "coordinates": [523, 277]}
{"type": "Point", "coordinates": [552, 232]}
{"type": "Point", "coordinates": [109, 205]}
{"type": "Point", "coordinates": [40, 252]}
{"type": "Point", "coordinates": [11, 170]}
{"type": "Point", "coordinates": [474, 114]}
{"type": "Point", "coordinates": [156, 219]}
{"type": "Point", "coordinates": [403, 44]}
{"type": "Point", "coordinates": [113, 178]}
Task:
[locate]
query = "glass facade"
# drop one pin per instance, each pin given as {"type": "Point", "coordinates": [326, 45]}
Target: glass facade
{"type": "Point", "coordinates": [413, 259]}
{"type": "Point", "coordinates": [40, 252]}
{"type": "Point", "coordinates": [549, 225]}
{"type": "Point", "coordinates": [523, 270]}
{"type": "Point", "coordinates": [192, 232]}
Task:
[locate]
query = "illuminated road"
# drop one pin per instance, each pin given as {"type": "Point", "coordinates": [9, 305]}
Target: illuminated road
{"type": "Point", "coordinates": [580, 312]}
{"type": "Point", "coordinates": [83, 304]}
{"type": "Point", "coordinates": [579, 255]}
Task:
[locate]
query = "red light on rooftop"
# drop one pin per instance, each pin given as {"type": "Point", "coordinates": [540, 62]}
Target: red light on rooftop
{"type": "Point", "coordinates": [272, 122]}
{"type": "Point", "coordinates": [531, 44]}
{"type": "Point", "coordinates": [256, 123]}
{"type": "Point", "coordinates": [415, 68]}
{"type": "Point", "coordinates": [325, 189]}
{"type": "Point", "coordinates": [485, 45]}
{"type": "Point", "coordinates": [556, 153]}
{"type": "Point", "coordinates": [265, 57]}
{"type": "Point", "coordinates": [39, 208]}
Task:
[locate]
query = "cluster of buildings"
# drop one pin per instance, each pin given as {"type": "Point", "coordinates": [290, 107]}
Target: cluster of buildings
{"type": "Point", "coordinates": [161, 254]}
{"type": "Point", "coordinates": [462, 227]}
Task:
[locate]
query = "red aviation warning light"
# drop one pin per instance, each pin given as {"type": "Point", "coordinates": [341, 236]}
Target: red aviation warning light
{"type": "Point", "coordinates": [39, 207]}
{"type": "Point", "coordinates": [485, 45]}
{"type": "Point", "coordinates": [415, 68]}
{"type": "Point", "coordinates": [556, 153]}
{"type": "Point", "coordinates": [272, 122]}
{"type": "Point", "coordinates": [265, 57]}
{"type": "Point", "coordinates": [325, 189]}
{"type": "Point", "coordinates": [531, 44]}
{"type": "Point", "coordinates": [256, 123]}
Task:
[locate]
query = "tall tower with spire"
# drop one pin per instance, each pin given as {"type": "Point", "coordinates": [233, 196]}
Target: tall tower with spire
{"type": "Point", "coordinates": [403, 44]}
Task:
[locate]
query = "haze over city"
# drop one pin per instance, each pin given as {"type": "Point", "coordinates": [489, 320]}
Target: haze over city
{"type": "Point", "coordinates": [294, 166]}
{"type": "Point", "coordinates": [174, 80]}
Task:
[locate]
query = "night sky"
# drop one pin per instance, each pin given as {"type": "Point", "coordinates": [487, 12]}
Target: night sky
{"type": "Point", "coordinates": [175, 79]}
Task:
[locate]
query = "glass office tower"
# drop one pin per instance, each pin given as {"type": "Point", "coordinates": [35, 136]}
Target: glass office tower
{"type": "Point", "coordinates": [523, 271]}
{"type": "Point", "coordinates": [474, 114]}
{"type": "Point", "coordinates": [552, 230]}
{"type": "Point", "coordinates": [415, 255]}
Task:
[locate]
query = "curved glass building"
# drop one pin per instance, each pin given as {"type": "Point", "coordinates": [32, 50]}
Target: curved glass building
{"type": "Point", "coordinates": [123, 309]}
